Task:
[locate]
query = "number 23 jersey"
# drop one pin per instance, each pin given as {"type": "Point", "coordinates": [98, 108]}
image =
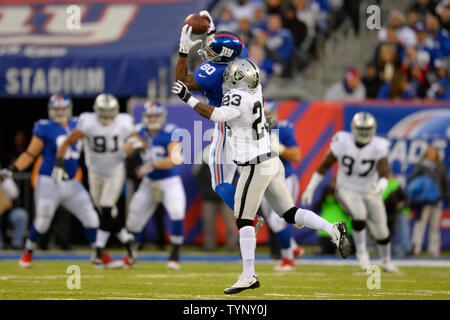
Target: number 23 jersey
{"type": "Point", "coordinates": [104, 145]}
{"type": "Point", "coordinates": [357, 167]}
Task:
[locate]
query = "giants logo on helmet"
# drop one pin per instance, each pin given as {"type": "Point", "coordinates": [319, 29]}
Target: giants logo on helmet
{"type": "Point", "coordinates": [227, 52]}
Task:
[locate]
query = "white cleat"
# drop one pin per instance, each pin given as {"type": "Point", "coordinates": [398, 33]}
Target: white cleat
{"type": "Point", "coordinates": [243, 284]}
{"type": "Point", "coordinates": [363, 260]}
{"type": "Point", "coordinates": [390, 267]}
{"type": "Point", "coordinates": [173, 265]}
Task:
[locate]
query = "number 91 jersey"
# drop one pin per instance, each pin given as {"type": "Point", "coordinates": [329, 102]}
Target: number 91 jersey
{"type": "Point", "coordinates": [357, 167]}
{"type": "Point", "coordinates": [104, 145]}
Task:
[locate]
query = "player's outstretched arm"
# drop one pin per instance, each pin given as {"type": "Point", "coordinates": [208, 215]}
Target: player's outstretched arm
{"type": "Point", "coordinates": [134, 143]}
{"type": "Point", "coordinates": [186, 45]}
{"type": "Point", "coordinates": [27, 157]}
{"type": "Point", "coordinates": [317, 177]}
{"type": "Point", "coordinates": [222, 114]}
{"type": "Point", "coordinates": [383, 176]}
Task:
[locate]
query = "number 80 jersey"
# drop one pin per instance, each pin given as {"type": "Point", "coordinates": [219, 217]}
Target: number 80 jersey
{"type": "Point", "coordinates": [104, 145]}
{"type": "Point", "coordinates": [357, 167]}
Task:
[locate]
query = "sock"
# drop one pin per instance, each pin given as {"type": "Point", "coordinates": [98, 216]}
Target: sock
{"type": "Point", "coordinates": [33, 238]}
{"type": "Point", "coordinates": [227, 191]}
{"type": "Point", "coordinates": [247, 243]}
{"type": "Point", "coordinates": [175, 252]}
{"type": "Point", "coordinates": [102, 238]}
{"type": "Point", "coordinates": [313, 221]}
{"type": "Point", "coordinates": [91, 234]}
{"type": "Point", "coordinates": [385, 252]}
{"type": "Point", "coordinates": [30, 245]}
{"type": "Point", "coordinates": [359, 238]}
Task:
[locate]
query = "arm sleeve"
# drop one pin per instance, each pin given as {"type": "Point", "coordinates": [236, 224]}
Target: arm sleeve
{"type": "Point", "coordinates": [225, 113]}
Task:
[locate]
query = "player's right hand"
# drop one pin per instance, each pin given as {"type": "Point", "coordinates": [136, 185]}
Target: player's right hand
{"type": "Point", "coordinates": [180, 89]}
{"type": "Point", "coordinates": [307, 197]}
{"type": "Point", "coordinates": [186, 44]}
{"type": "Point", "coordinates": [212, 27]}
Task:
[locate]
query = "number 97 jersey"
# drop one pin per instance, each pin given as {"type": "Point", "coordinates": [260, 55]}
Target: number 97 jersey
{"type": "Point", "coordinates": [357, 167]}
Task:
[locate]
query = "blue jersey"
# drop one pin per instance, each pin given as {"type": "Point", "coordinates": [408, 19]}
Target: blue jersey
{"type": "Point", "coordinates": [158, 150]}
{"type": "Point", "coordinates": [209, 76]}
{"type": "Point", "coordinates": [286, 137]}
{"type": "Point", "coordinates": [53, 135]}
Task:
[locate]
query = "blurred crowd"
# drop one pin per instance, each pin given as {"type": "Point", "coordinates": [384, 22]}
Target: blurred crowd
{"type": "Point", "coordinates": [411, 59]}
{"type": "Point", "coordinates": [284, 36]}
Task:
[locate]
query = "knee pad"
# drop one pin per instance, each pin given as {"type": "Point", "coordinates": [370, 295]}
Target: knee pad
{"type": "Point", "coordinates": [358, 225]}
{"type": "Point", "coordinates": [289, 215]}
{"type": "Point", "coordinates": [384, 241]}
{"type": "Point", "coordinates": [240, 223]}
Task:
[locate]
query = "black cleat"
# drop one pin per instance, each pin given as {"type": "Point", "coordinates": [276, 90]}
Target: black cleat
{"type": "Point", "coordinates": [340, 238]}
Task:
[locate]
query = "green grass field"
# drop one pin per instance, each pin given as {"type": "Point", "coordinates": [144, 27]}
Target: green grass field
{"type": "Point", "coordinates": [199, 281]}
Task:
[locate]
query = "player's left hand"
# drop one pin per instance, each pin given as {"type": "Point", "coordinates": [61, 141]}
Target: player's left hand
{"type": "Point", "coordinates": [212, 27]}
{"type": "Point", "coordinates": [186, 44]}
{"type": "Point", "coordinates": [58, 172]}
{"type": "Point", "coordinates": [181, 90]}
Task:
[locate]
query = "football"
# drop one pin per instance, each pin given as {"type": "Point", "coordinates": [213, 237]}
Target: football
{"type": "Point", "coordinates": [198, 23]}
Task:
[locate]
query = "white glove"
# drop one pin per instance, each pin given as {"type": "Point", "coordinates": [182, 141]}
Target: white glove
{"type": "Point", "coordinates": [212, 27]}
{"type": "Point", "coordinates": [135, 143]}
{"type": "Point", "coordinates": [275, 144]}
{"type": "Point", "coordinates": [308, 194]}
{"type": "Point", "coordinates": [58, 175]}
{"type": "Point", "coordinates": [307, 197]}
{"type": "Point", "coordinates": [380, 186]}
{"type": "Point", "coordinates": [186, 44]}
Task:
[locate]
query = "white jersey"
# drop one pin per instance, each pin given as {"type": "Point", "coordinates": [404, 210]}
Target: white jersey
{"type": "Point", "coordinates": [357, 167]}
{"type": "Point", "coordinates": [104, 145]}
{"type": "Point", "coordinates": [249, 135]}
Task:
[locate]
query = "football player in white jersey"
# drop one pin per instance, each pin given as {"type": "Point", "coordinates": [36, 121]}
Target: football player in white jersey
{"type": "Point", "coordinates": [362, 177]}
{"type": "Point", "coordinates": [105, 132]}
{"type": "Point", "coordinates": [161, 182]}
{"type": "Point", "coordinates": [262, 171]}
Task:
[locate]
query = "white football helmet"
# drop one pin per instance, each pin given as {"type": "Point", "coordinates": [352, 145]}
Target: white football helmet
{"type": "Point", "coordinates": [242, 74]}
{"type": "Point", "coordinates": [106, 107]}
{"type": "Point", "coordinates": [364, 127]}
{"type": "Point", "coordinates": [59, 108]}
{"type": "Point", "coordinates": [154, 116]}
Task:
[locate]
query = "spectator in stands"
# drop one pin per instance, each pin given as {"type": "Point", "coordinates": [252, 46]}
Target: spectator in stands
{"type": "Point", "coordinates": [418, 81]}
{"type": "Point", "coordinates": [423, 7]}
{"type": "Point", "coordinates": [242, 9]}
{"type": "Point", "coordinates": [386, 62]}
{"type": "Point", "coordinates": [405, 35]}
{"type": "Point", "coordinates": [298, 30]}
{"type": "Point", "coordinates": [259, 18]}
{"type": "Point", "coordinates": [397, 88]}
{"type": "Point", "coordinates": [371, 81]}
{"type": "Point", "coordinates": [226, 21]}
{"type": "Point", "coordinates": [443, 10]}
{"type": "Point", "coordinates": [306, 15]}
{"type": "Point", "coordinates": [16, 217]}
{"type": "Point", "coordinates": [427, 188]}
{"type": "Point", "coordinates": [212, 205]}
{"type": "Point", "coordinates": [427, 51]}
{"type": "Point", "coordinates": [350, 88]}
{"type": "Point", "coordinates": [280, 45]}
{"type": "Point", "coordinates": [440, 90]}
{"type": "Point", "coordinates": [274, 7]}
{"type": "Point", "coordinates": [413, 17]}
{"type": "Point", "coordinates": [258, 52]}
{"type": "Point", "coordinates": [245, 31]}
{"type": "Point", "coordinates": [438, 35]}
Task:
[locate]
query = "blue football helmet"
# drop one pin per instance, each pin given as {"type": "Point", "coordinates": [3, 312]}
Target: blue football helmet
{"type": "Point", "coordinates": [221, 47]}
{"type": "Point", "coordinates": [59, 108]}
{"type": "Point", "coordinates": [154, 116]}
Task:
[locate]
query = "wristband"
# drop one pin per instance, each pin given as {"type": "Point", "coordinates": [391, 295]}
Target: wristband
{"type": "Point", "coordinates": [192, 102]}
{"type": "Point", "coordinates": [182, 54]}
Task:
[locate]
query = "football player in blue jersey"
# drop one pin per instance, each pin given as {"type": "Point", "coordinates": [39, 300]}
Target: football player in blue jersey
{"type": "Point", "coordinates": [47, 136]}
{"type": "Point", "coordinates": [218, 49]}
{"type": "Point", "coordinates": [282, 136]}
{"type": "Point", "coordinates": [161, 181]}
